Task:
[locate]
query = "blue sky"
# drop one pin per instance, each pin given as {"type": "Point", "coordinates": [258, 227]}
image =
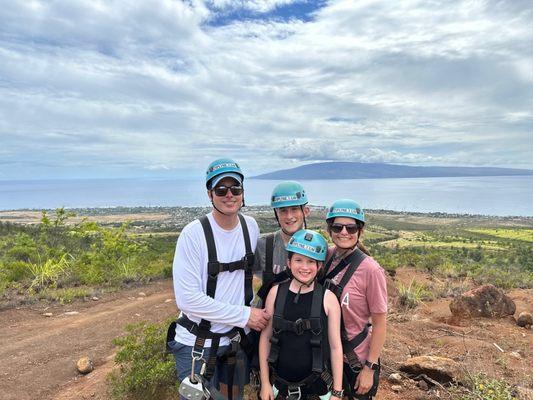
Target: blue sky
{"type": "Point", "coordinates": [161, 87]}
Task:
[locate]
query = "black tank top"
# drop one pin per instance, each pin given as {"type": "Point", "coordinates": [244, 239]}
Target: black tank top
{"type": "Point", "coordinates": [295, 356]}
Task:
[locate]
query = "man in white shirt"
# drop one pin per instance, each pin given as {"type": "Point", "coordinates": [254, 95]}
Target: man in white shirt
{"type": "Point", "coordinates": [212, 275]}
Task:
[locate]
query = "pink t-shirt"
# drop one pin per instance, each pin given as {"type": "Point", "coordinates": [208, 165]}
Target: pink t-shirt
{"type": "Point", "coordinates": [365, 293]}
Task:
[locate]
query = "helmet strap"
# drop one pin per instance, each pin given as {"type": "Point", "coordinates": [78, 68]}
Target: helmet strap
{"type": "Point", "coordinates": [302, 284]}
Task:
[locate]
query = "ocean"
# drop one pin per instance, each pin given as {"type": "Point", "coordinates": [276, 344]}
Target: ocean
{"type": "Point", "coordinates": [501, 196]}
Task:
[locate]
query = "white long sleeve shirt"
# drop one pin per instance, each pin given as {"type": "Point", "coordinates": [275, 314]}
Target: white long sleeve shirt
{"type": "Point", "coordinates": [227, 309]}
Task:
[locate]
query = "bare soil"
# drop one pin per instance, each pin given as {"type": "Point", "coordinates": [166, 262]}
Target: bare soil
{"type": "Point", "coordinates": [38, 354]}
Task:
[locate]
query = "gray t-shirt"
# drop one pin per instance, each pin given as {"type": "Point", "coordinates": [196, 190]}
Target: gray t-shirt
{"type": "Point", "coordinates": [279, 257]}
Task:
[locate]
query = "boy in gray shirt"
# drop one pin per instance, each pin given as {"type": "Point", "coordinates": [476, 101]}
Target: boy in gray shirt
{"type": "Point", "coordinates": [289, 202]}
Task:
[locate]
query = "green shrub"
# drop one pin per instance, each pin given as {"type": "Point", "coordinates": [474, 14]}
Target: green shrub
{"type": "Point", "coordinates": [47, 273]}
{"type": "Point", "coordinates": [145, 372]}
{"type": "Point", "coordinates": [485, 388]}
{"type": "Point", "coordinates": [412, 295]}
{"type": "Point", "coordinates": [16, 271]}
{"type": "Point", "coordinates": [65, 295]}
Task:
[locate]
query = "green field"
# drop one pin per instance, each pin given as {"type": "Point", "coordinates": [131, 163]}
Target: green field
{"type": "Point", "coordinates": [63, 257]}
{"type": "Point", "coordinates": [525, 235]}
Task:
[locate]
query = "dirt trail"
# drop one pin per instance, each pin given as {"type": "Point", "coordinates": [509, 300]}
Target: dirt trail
{"type": "Point", "coordinates": [38, 354]}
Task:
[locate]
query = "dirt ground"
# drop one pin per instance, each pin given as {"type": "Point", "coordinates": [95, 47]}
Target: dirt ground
{"type": "Point", "coordinates": [38, 354]}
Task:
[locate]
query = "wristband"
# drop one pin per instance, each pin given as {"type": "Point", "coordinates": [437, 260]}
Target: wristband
{"type": "Point", "coordinates": [371, 365]}
{"type": "Point", "coordinates": [337, 393]}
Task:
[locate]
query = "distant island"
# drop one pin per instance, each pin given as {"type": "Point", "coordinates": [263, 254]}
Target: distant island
{"type": "Point", "coordinates": [356, 170]}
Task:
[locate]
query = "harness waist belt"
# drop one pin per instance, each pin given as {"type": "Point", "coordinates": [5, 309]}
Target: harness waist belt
{"type": "Point", "coordinates": [195, 329]}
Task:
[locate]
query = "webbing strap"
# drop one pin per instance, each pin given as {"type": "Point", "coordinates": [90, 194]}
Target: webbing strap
{"type": "Point", "coordinates": [313, 323]}
{"type": "Point", "coordinates": [268, 273]}
{"type": "Point", "coordinates": [353, 261]}
{"type": "Point", "coordinates": [203, 329]}
{"type": "Point", "coordinates": [279, 305]}
{"type": "Point", "coordinates": [249, 259]}
{"type": "Point", "coordinates": [307, 381]}
{"type": "Point", "coordinates": [316, 340]}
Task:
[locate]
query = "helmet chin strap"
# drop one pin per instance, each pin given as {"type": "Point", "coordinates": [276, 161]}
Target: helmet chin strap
{"type": "Point", "coordinates": [302, 284]}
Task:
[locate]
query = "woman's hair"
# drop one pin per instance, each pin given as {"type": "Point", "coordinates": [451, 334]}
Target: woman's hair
{"type": "Point", "coordinates": [360, 225]}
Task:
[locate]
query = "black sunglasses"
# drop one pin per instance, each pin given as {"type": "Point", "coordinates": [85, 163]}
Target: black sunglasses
{"type": "Point", "coordinates": [350, 228]}
{"type": "Point", "coordinates": [221, 191]}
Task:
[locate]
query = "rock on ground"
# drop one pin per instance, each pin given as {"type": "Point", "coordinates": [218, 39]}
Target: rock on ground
{"type": "Point", "coordinates": [524, 319]}
{"type": "Point", "coordinates": [441, 369]}
{"type": "Point", "coordinates": [483, 301]}
{"type": "Point", "coordinates": [395, 379]}
{"type": "Point", "coordinates": [85, 365]}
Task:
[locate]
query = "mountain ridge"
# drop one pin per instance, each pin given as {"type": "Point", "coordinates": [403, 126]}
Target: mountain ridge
{"type": "Point", "coordinates": [357, 170]}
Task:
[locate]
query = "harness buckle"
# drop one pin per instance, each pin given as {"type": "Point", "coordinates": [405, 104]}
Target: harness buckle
{"type": "Point", "coordinates": [236, 338]}
{"type": "Point", "coordinates": [235, 266]}
{"type": "Point", "coordinates": [294, 393]}
{"type": "Point", "coordinates": [355, 367]}
{"type": "Point", "coordinates": [300, 325]}
{"type": "Point", "coordinates": [197, 355]}
{"type": "Point", "coordinates": [249, 258]}
{"type": "Point", "coordinates": [213, 268]}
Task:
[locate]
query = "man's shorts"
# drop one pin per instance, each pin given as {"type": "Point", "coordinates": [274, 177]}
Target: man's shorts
{"type": "Point", "coordinates": [182, 355]}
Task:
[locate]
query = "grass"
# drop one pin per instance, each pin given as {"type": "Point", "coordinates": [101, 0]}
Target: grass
{"type": "Point", "coordinates": [484, 387]}
{"type": "Point", "coordinates": [412, 295]}
{"type": "Point", "coordinates": [525, 235]}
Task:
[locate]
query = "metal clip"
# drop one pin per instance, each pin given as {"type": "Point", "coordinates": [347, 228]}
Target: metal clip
{"type": "Point", "coordinates": [294, 394]}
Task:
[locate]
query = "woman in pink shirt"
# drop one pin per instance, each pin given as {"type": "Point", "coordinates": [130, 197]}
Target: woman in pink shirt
{"type": "Point", "coordinates": [359, 283]}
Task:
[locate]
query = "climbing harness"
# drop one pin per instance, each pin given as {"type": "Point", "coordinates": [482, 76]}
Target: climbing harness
{"type": "Point", "coordinates": [318, 342]}
{"type": "Point", "coordinates": [196, 384]}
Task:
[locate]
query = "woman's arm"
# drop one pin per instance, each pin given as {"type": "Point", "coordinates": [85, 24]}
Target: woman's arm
{"type": "Point", "coordinates": [264, 347]}
{"type": "Point", "coordinates": [333, 312]}
{"type": "Point", "coordinates": [379, 329]}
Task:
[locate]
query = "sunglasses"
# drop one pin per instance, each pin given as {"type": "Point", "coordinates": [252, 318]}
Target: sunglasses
{"type": "Point", "coordinates": [221, 191]}
{"type": "Point", "coordinates": [350, 228]}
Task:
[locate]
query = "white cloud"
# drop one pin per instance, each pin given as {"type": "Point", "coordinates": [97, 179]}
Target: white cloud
{"type": "Point", "coordinates": [153, 85]}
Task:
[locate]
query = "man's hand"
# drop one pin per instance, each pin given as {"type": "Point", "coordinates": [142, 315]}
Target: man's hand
{"type": "Point", "coordinates": [258, 319]}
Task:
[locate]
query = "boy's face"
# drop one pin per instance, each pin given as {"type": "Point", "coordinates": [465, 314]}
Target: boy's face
{"type": "Point", "coordinates": [291, 219]}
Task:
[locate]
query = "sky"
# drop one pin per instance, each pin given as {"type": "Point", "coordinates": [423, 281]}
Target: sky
{"type": "Point", "coordinates": [159, 88]}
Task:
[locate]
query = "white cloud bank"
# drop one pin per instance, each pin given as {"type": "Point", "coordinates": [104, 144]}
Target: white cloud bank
{"type": "Point", "coordinates": [98, 88]}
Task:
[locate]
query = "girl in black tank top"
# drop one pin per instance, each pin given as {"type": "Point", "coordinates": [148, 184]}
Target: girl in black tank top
{"type": "Point", "coordinates": [300, 351]}
{"type": "Point", "coordinates": [295, 357]}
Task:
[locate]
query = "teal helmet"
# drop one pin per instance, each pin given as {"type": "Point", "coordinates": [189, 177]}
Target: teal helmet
{"type": "Point", "coordinates": [288, 194]}
{"type": "Point", "coordinates": [346, 208]}
{"type": "Point", "coordinates": [220, 169]}
{"type": "Point", "coordinates": [308, 243]}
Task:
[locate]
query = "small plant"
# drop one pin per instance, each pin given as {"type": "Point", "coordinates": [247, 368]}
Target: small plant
{"type": "Point", "coordinates": [47, 273]}
{"type": "Point", "coordinates": [146, 372]}
{"type": "Point", "coordinates": [412, 295]}
{"type": "Point", "coordinates": [486, 388]}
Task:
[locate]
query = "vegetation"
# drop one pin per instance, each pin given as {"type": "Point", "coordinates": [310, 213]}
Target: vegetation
{"type": "Point", "coordinates": [412, 295]}
{"type": "Point", "coordinates": [145, 372]}
{"type": "Point", "coordinates": [60, 261]}
{"type": "Point", "coordinates": [487, 388]}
